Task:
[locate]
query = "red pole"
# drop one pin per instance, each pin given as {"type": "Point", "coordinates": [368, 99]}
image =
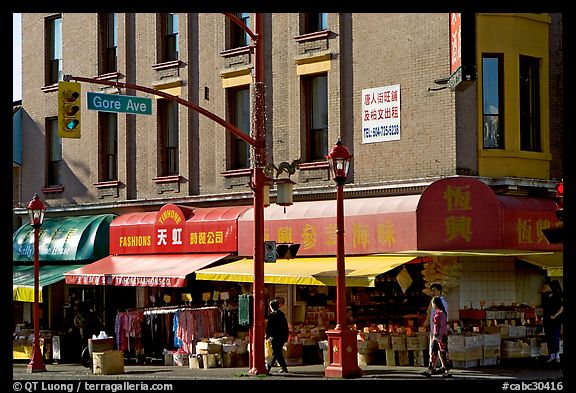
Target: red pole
{"type": "Point", "coordinates": [341, 313]}
{"type": "Point", "coordinates": [258, 336]}
{"type": "Point", "coordinates": [36, 362]}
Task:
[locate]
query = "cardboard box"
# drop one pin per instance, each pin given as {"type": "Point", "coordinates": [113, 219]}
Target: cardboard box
{"type": "Point", "coordinates": [384, 342]}
{"type": "Point", "coordinates": [292, 350]}
{"type": "Point", "coordinates": [491, 352]}
{"type": "Point", "coordinates": [413, 343]}
{"type": "Point", "coordinates": [365, 359]}
{"type": "Point", "coordinates": [491, 340]}
{"type": "Point", "coordinates": [209, 360]}
{"type": "Point", "coordinates": [390, 357]}
{"type": "Point", "coordinates": [204, 347]}
{"type": "Point", "coordinates": [398, 343]}
{"type": "Point", "coordinates": [367, 346]}
{"type": "Point", "coordinates": [108, 362]}
{"type": "Point", "coordinates": [229, 359]}
{"type": "Point", "coordinates": [403, 358]}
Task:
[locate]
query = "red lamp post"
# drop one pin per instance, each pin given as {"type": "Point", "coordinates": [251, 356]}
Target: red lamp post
{"type": "Point", "coordinates": [342, 347]}
{"type": "Point", "coordinates": [36, 210]}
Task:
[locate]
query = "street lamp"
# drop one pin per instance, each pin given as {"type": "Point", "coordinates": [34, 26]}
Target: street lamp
{"type": "Point", "coordinates": [36, 210]}
{"type": "Point", "coordinates": [342, 346]}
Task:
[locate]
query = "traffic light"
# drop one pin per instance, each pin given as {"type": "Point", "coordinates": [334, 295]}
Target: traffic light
{"type": "Point", "coordinates": [269, 251]}
{"type": "Point", "coordinates": [560, 200]}
{"type": "Point", "coordinates": [69, 109]}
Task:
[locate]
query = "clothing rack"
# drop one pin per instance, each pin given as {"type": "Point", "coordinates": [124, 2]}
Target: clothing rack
{"type": "Point", "coordinates": [173, 309]}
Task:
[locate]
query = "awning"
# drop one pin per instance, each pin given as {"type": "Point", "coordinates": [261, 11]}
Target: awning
{"type": "Point", "coordinates": [361, 271]}
{"type": "Point", "coordinates": [81, 238]}
{"type": "Point", "coordinates": [471, 253]}
{"type": "Point", "coordinates": [372, 225]}
{"type": "Point", "coordinates": [463, 213]}
{"type": "Point", "coordinates": [159, 270]}
{"type": "Point", "coordinates": [552, 262]}
{"type": "Point", "coordinates": [177, 229]}
{"type": "Point", "coordinates": [23, 280]}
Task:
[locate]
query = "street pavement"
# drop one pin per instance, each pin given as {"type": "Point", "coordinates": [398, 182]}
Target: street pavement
{"type": "Point", "coordinates": [535, 375]}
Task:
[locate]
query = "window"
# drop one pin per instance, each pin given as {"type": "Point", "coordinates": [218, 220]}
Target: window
{"type": "Point", "coordinates": [315, 21]}
{"type": "Point", "coordinates": [108, 43]}
{"type": "Point", "coordinates": [239, 106]}
{"type": "Point", "coordinates": [170, 27]}
{"type": "Point", "coordinates": [54, 50]}
{"type": "Point", "coordinates": [238, 37]}
{"type": "Point", "coordinates": [168, 137]}
{"type": "Point", "coordinates": [530, 139]}
{"type": "Point", "coordinates": [492, 105]}
{"type": "Point", "coordinates": [108, 146]}
{"type": "Point", "coordinates": [316, 96]}
{"type": "Point", "coordinates": [54, 156]}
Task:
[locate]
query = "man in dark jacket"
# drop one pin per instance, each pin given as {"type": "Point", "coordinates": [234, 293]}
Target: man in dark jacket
{"type": "Point", "coordinates": [277, 333]}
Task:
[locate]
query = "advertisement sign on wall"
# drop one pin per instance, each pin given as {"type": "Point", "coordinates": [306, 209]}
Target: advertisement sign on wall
{"type": "Point", "coordinates": [381, 114]}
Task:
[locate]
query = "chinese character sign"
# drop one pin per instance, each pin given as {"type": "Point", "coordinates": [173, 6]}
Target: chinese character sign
{"type": "Point", "coordinates": [381, 114]}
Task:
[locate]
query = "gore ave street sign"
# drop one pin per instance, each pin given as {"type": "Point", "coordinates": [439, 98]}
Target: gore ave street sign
{"type": "Point", "coordinates": [119, 103]}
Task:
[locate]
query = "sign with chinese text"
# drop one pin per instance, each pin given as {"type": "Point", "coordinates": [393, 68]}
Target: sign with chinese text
{"type": "Point", "coordinates": [381, 114]}
{"type": "Point", "coordinates": [465, 214]}
{"type": "Point", "coordinates": [177, 229]}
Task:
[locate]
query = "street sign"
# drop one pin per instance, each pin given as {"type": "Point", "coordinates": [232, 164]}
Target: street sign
{"type": "Point", "coordinates": [119, 103]}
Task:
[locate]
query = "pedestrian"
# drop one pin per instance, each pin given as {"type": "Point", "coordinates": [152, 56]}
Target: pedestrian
{"type": "Point", "coordinates": [436, 290]}
{"type": "Point", "coordinates": [553, 310]}
{"type": "Point", "coordinates": [277, 334]}
{"type": "Point", "coordinates": [439, 340]}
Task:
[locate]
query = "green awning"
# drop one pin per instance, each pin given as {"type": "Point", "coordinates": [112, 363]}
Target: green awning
{"type": "Point", "coordinates": [23, 279]}
{"type": "Point", "coordinates": [82, 238]}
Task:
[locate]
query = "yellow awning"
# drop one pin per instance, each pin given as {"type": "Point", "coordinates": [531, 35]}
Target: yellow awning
{"type": "Point", "coordinates": [552, 262]}
{"type": "Point", "coordinates": [361, 271]}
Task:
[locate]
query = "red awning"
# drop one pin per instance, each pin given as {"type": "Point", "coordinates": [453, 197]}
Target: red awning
{"type": "Point", "coordinates": [168, 270]}
{"type": "Point", "coordinates": [372, 225]}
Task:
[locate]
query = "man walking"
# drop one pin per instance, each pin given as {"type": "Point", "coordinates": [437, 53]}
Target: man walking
{"type": "Point", "coordinates": [277, 333]}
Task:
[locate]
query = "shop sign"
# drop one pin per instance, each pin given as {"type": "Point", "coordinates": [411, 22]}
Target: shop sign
{"type": "Point", "coordinates": [462, 214]}
{"type": "Point", "coordinates": [126, 281]}
{"type": "Point", "coordinates": [381, 114]}
{"type": "Point", "coordinates": [171, 232]}
{"type": "Point", "coordinates": [365, 234]}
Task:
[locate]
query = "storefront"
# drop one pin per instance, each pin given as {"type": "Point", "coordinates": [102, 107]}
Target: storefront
{"type": "Point", "coordinates": [65, 243]}
{"type": "Point", "coordinates": [488, 251]}
{"type": "Point", "coordinates": [153, 257]}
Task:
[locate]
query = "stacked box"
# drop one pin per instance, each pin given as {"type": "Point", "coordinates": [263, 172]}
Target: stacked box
{"type": "Point", "coordinates": [210, 360]}
{"type": "Point", "coordinates": [367, 346]}
{"type": "Point", "coordinates": [491, 352]}
{"type": "Point", "coordinates": [229, 359]}
{"type": "Point", "coordinates": [384, 342]}
{"type": "Point", "coordinates": [390, 357]}
{"type": "Point", "coordinates": [365, 359]}
{"type": "Point", "coordinates": [204, 348]}
{"type": "Point", "coordinates": [413, 343]}
{"type": "Point", "coordinates": [398, 342]}
{"type": "Point", "coordinates": [403, 358]}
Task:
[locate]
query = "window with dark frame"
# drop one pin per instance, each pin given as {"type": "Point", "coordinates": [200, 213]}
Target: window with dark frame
{"type": "Point", "coordinates": [54, 156]}
{"type": "Point", "coordinates": [108, 146]}
{"type": "Point", "coordinates": [492, 102]}
{"type": "Point", "coordinates": [108, 42]}
{"type": "Point", "coordinates": [239, 115]}
{"type": "Point", "coordinates": [171, 48]}
{"type": "Point", "coordinates": [238, 37]}
{"type": "Point", "coordinates": [168, 138]}
{"type": "Point", "coordinates": [315, 21]}
{"type": "Point", "coordinates": [316, 107]}
{"type": "Point", "coordinates": [53, 50]}
{"type": "Point", "coordinates": [530, 130]}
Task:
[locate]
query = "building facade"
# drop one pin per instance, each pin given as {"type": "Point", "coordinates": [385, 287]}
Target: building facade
{"type": "Point", "coordinates": [386, 85]}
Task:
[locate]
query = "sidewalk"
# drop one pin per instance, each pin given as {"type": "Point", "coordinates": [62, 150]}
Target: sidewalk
{"type": "Point", "coordinates": [521, 371]}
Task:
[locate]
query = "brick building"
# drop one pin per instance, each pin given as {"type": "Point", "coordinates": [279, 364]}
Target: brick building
{"type": "Point", "coordinates": [319, 69]}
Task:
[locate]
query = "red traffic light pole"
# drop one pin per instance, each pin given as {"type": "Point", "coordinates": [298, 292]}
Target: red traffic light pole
{"type": "Point", "coordinates": [257, 336]}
